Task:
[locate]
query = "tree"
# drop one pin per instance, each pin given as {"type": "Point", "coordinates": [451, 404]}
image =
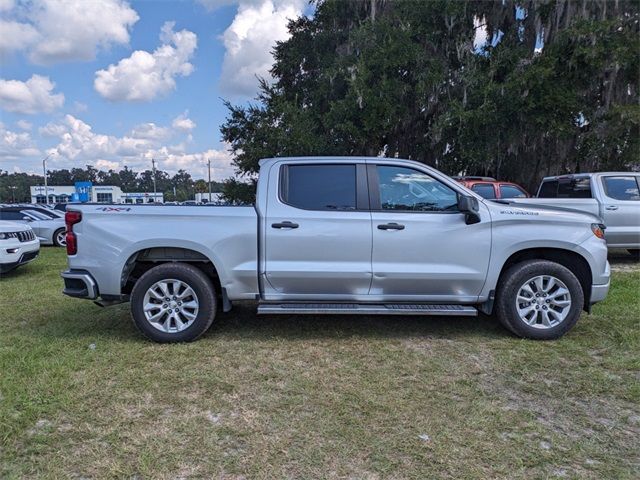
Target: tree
{"type": "Point", "coordinates": [553, 90]}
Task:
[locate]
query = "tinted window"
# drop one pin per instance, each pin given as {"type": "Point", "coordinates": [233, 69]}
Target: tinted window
{"type": "Point", "coordinates": [35, 214]}
{"type": "Point", "coordinates": [320, 187]}
{"type": "Point", "coordinates": [622, 188]}
{"type": "Point", "coordinates": [46, 213]}
{"type": "Point", "coordinates": [574, 188]}
{"type": "Point", "coordinates": [11, 215]}
{"type": "Point", "coordinates": [407, 189]}
{"type": "Point", "coordinates": [509, 191]}
{"type": "Point", "coordinates": [485, 190]}
{"type": "Point", "coordinates": [548, 189]}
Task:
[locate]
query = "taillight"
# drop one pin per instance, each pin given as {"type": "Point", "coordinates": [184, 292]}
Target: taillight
{"type": "Point", "coordinates": [70, 219]}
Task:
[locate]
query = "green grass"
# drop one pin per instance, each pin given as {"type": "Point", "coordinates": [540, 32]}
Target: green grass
{"type": "Point", "coordinates": [82, 394]}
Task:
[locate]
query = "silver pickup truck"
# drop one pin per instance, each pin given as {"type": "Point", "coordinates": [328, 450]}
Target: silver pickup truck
{"type": "Point", "coordinates": [612, 196]}
{"type": "Point", "coordinates": [340, 235]}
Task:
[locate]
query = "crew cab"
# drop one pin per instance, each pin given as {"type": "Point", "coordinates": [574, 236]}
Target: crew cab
{"type": "Point", "coordinates": [340, 235]}
{"type": "Point", "coordinates": [612, 196]}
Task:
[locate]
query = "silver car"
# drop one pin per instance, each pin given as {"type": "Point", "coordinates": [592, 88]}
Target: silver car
{"type": "Point", "coordinates": [50, 231]}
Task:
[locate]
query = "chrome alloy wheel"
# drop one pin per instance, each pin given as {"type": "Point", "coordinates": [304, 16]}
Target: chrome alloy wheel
{"type": "Point", "coordinates": [543, 302]}
{"type": "Point", "coordinates": [61, 238]}
{"type": "Point", "coordinates": [170, 305]}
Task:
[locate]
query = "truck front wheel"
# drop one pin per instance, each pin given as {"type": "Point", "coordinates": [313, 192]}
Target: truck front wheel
{"type": "Point", "coordinates": [173, 302]}
{"type": "Point", "coordinates": [539, 299]}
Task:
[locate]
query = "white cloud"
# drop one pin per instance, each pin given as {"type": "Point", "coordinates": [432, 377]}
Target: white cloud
{"type": "Point", "coordinates": [480, 36]}
{"type": "Point", "coordinates": [249, 40]}
{"type": "Point", "coordinates": [53, 31]}
{"type": "Point", "coordinates": [196, 163]}
{"type": "Point", "coordinates": [107, 165]}
{"type": "Point", "coordinates": [24, 125]}
{"type": "Point", "coordinates": [80, 107]}
{"type": "Point", "coordinates": [15, 145]}
{"type": "Point", "coordinates": [6, 5]}
{"type": "Point", "coordinates": [33, 96]}
{"type": "Point", "coordinates": [215, 4]}
{"type": "Point", "coordinates": [144, 76]}
{"type": "Point", "coordinates": [16, 36]}
{"type": "Point", "coordinates": [183, 123]}
{"type": "Point", "coordinates": [150, 131]}
{"type": "Point", "coordinates": [79, 145]}
{"type": "Point", "coordinates": [52, 129]}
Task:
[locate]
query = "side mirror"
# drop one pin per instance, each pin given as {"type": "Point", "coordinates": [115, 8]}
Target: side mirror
{"type": "Point", "coordinates": [27, 219]}
{"type": "Point", "coordinates": [470, 207]}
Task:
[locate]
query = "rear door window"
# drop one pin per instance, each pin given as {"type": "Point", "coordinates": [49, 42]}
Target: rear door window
{"type": "Point", "coordinates": [548, 189]}
{"type": "Point", "coordinates": [319, 187]}
{"type": "Point", "coordinates": [574, 188]}
{"type": "Point", "coordinates": [485, 190]}
{"type": "Point", "coordinates": [622, 188]}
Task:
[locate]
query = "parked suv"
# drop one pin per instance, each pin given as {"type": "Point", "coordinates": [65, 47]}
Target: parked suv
{"type": "Point", "coordinates": [18, 245]}
{"type": "Point", "coordinates": [490, 188]}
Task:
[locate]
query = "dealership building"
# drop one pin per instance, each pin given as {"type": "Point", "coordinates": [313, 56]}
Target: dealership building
{"type": "Point", "coordinates": [87, 192]}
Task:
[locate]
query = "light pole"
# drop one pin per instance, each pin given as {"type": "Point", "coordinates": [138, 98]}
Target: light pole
{"type": "Point", "coordinates": [153, 170]}
{"type": "Point", "coordinates": [209, 163]}
{"type": "Point", "coordinates": [44, 170]}
{"type": "Point", "coordinates": [13, 193]}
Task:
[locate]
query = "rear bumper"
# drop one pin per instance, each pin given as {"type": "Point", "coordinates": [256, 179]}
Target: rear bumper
{"type": "Point", "coordinates": [79, 284]}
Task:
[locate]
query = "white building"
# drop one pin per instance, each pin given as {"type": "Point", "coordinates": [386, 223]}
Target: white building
{"type": "Point", "coordinates": [205, 198]}
{"type": "Point", "coordinates": [86, 192]}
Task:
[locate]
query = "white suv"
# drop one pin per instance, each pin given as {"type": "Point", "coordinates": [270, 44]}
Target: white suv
{"type": "Point", "coordinates": [18, 245]}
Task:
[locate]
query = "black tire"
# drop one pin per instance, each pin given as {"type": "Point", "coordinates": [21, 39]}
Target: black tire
{"type": "Point", "coordinates": [511, 282]}
{"type": "Point", "coordinates": [194, 278]}
{"type": "Point", "coordinates": [55, 237]}
{"type": "Point", "coordinates": [635, 253]}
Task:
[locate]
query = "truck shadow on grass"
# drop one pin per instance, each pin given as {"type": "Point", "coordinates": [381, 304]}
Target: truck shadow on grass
{"type": "Point", "coordinates": [243, 322]}
{"type": "Point", "coordinates": [82, 320]}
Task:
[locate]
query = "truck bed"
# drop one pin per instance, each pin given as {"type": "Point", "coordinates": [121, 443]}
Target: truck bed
{"type": "Point", "coordinates": [226, 235]}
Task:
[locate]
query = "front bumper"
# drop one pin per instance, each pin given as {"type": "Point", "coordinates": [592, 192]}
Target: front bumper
{"type": "Point", "coordinates": [599, 292]}
{"type": "Point", "coordinates": [15, 253]}
{"type": "Point", "coordinates": [79, 284]}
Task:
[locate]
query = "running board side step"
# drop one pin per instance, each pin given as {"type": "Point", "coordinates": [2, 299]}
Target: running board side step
{"type": "Point", "coordinates": [366, 309]}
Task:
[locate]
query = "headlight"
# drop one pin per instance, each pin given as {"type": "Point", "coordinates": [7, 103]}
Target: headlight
{"type": "Point", "coordinates": [598, 230]}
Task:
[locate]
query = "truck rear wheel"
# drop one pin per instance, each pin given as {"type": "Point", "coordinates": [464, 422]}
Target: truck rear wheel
{"type": "Point", "coordinates": [539, 299]}
{"type": "Point", "coordinates": [173, 302]}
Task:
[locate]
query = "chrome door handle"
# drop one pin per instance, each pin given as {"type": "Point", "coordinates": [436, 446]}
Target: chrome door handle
{"type": "Point", "coordinates": [611, 207]}
{"type": "Point", "coordinates": [391, 226]}
{"type": "Point", "coordinates": [285, 224]}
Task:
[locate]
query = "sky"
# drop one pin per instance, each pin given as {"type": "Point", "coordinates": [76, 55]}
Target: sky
{"type": "Point", "coordinates": [111, 83]}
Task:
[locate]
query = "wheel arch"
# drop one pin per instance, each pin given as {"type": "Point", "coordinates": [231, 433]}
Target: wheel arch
{"type": "Point", "coordinates": [145, 259]}
{"type": "Point", "coordinates": [573, 261]}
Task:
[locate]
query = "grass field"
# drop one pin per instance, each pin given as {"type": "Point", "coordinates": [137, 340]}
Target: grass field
{"type": "Point", "coordinates": [83, 395]}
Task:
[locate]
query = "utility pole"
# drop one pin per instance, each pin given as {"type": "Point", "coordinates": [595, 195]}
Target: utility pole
{"type": "Point", "coordinates": [44, 170]}
{"type": "Point", "coordinates": [153, 169]}
{"type": "Point", "coordinates": [209, 162]}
